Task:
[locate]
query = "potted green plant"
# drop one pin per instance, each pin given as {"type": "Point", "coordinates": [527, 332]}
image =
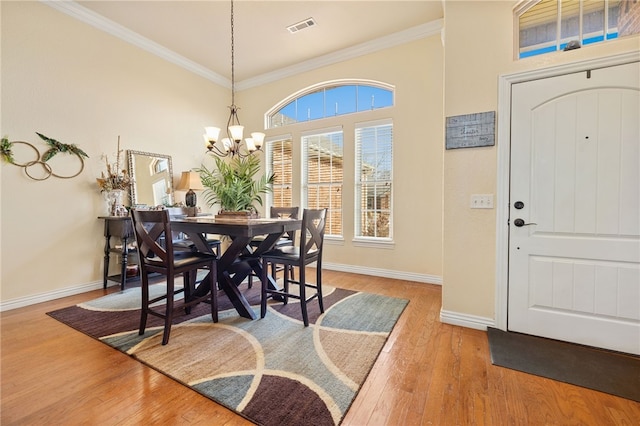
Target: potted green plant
{"type": "Point", "coordinates": [233, 186]}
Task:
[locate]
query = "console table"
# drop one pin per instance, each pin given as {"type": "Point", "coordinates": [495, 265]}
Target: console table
{"type": "Point", "coordinates": [120, 229]}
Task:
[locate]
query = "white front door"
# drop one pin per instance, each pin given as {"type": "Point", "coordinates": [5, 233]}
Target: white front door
{"type": "Point", "coordinates": [574, 219]}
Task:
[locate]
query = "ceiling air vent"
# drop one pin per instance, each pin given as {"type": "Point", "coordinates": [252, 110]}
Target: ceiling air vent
{"type": "Point", "coordinates": [309, 22]}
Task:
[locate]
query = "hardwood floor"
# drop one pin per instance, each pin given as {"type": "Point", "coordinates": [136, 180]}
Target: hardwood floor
{"type": "Point", "coordinates": [427, 374]}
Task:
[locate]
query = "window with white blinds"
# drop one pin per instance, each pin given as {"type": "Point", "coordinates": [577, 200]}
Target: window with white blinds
{"type": "Point", "coordinates": [280, 163]}
{"type": "Point", "coordinates": [323, 175]}
{"type": "Point", "coordinates": [374, 180]}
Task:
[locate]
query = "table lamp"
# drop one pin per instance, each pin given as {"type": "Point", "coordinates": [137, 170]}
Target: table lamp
{"type": "Point", "coordinates": [190, 182]}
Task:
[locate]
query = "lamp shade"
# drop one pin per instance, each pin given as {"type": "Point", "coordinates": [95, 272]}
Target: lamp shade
{"type": "Point", "coordinates": [236, 132]}
{"type": "Point", "coordinates": [212, 133]}
{"type": "Point", "coordinates": [258, 139]}
{"type": "Point", "coordinates": [190, 180]}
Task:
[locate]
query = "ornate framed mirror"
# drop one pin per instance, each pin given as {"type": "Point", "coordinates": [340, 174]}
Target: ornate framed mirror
{"type": "Point", "coordinates": [152, 176]}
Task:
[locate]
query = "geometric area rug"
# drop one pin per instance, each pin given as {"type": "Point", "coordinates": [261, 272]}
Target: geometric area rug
{"type": "Point", "coordinates": [606, 371]}
{"type": "Point", "coordinates": [272, 371]}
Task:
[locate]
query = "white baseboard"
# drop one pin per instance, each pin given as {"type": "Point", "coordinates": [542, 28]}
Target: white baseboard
{"type": "Point", "coordinates": [83, 288]}
{"type": "Point", "coordinates": [466, 320]}
{"type": "Point", "coordinates": [21, 302]}
{"type": "Point", "coordinates": [387, 273]}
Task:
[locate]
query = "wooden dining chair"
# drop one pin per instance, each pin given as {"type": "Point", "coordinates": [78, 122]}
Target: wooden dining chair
{"type": "Point", "coordinates": [152, 229]}
{"type": "Point", "coordinates": [308, 250]}
{"type": "Point", "coordinates": [286, 240]}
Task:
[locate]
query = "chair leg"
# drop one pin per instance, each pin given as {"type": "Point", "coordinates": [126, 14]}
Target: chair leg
{"type": "Point", "coordinates": [145, 304]}
{"type": "Point", "coordinates": [303, 297]}
{"type": "Point", "coordinates": [319, 287]}
{"type": "Point", "coordinates": [213, 273]}
{"type": "Point", "coordinates": [168, 313]}
{"type": "Point", "coordinates": [292, 275]}
{"type": "Point", "coordinates": [263, 285]}
{"type": "Point", "coordinates": [189, 284]}
{"type": "Point", "coordinates": [286, 287]}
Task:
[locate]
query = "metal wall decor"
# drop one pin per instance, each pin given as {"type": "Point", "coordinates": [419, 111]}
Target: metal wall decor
{"type": "Point", "coordinates": [55, 147]}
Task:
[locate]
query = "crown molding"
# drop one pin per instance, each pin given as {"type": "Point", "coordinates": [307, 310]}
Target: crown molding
{"type": "Point", "coordinates": [98, 21]}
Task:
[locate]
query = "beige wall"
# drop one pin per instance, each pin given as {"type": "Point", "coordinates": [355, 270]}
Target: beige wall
{"type": "Point", "coordinates": [415, 69]}
{"type": "Point", "coordinates": [77, 84]}
{"type": "Point", "coordinates": [80, 85]}
{"type": "Point", "coordinates": [478, 49]}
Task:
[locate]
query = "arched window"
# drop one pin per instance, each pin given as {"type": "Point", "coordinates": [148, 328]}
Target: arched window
{"type": "Point", "coordinates": [330, 99]}
{"type": "Point", "coordinates": [552, 25]}
{"type": "Point", "coordinates": [309, 161]}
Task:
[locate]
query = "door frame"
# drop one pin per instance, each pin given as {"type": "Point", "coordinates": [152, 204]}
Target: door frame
{"type": "Point", "coordinates": [504, 156]}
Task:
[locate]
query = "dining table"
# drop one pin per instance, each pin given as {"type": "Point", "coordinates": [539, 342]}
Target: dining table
{"type": "Point", "coordinates": [240, 258]}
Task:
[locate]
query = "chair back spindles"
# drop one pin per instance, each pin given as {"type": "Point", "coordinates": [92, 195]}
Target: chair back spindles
{"type": "Point", "coordinates": [285, 213]}
{"type": "Point", "coordinates": [153, 235]}
{"type": "Point", "coordinates": [313, 225]}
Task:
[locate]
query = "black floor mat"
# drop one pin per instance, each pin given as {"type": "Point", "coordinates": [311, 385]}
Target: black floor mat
{"type": "Point", "coordinates": [605, 371]}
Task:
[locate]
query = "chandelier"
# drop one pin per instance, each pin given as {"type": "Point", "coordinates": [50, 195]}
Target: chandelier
{"type": "Point", "coordinates": [232, 144]}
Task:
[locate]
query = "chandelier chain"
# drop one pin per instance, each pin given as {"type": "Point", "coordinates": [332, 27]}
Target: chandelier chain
{"type": "Point", "coordinates": [231, 143]}
{"type": "Point", "coordinates": [233, 79]}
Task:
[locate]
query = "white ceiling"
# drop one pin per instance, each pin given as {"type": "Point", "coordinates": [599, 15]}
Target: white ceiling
{"type": "Point", "coordinates": [198, 32]}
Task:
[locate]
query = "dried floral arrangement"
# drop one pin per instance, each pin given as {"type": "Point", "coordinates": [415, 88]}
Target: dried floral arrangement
{"type": "Point", "coordinates": [116, 177]}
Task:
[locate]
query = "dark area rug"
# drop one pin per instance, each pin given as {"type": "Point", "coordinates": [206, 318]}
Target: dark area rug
{"type": "Point", "coordinates": [605, 371]}
{"type": "Point", "coordinates": [273, 371]}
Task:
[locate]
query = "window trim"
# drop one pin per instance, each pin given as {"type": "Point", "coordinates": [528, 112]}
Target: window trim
{"type": "Point", "coordinates": [374, 242]}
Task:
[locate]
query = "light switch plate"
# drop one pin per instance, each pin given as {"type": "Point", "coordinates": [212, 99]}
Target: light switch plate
{"type": "Point", "coordinates": [482, 201]}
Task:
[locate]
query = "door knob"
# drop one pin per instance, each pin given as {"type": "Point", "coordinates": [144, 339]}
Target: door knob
{"type": "Point", "coordinates": [520, 222]}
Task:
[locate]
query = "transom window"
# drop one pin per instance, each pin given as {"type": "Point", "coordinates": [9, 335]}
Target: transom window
{"type": "Point", "coordinates": [551, 25]}
{"type": "Point", "coordinates": [330, 100]}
